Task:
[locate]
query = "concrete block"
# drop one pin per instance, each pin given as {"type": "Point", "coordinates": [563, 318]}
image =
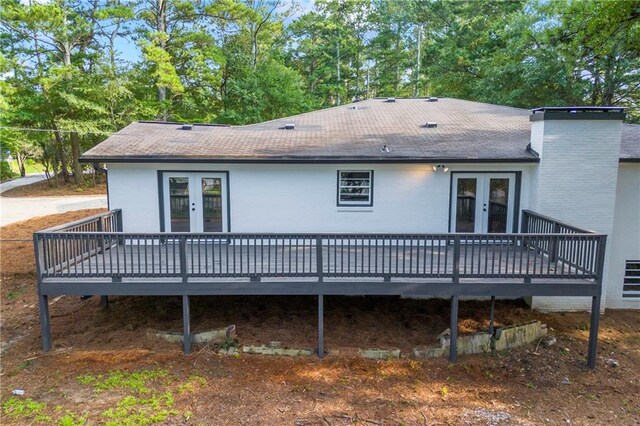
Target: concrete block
{"type": "Point", "coordinates": [379, 353]}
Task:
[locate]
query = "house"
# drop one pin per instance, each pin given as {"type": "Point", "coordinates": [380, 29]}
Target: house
{"type": "Point", "coordinates": [471, 176]}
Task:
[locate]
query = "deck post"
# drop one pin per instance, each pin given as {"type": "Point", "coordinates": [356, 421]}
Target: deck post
{"type": "Point", "coordinates": [453, 326]}
{"type": "Point", "coordinates": [45, 322]}
{"type": "Point", "coordinates": [320, 326]}
{"type": "Point", "coordinates": [43, 299]}
{"type": "Point", "coordinates": [104, 302]}
{"type": "Point", "coordinates": [595, 305]}
{"type": "Point", "coordinates": [491, 314]}
{"type": "Point", "coordinates": [319, 269]}
{"type": "Point", "coordinates": [593, 331]}
{"type": "Point", "coordinates": [186, 325]}
{"type": "Point", "coordinates": [453, 346]}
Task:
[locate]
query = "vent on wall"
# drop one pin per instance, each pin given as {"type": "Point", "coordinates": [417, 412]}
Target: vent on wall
{"type": "Point", "coordinates": [631, 286]}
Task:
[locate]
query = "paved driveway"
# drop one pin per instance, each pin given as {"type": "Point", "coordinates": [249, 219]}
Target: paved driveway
{"type": "Point", "coordinates": [17, 209]}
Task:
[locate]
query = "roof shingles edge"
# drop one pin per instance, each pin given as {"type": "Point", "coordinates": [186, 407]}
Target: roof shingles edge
{"type": "Point", "coordinates": [466, 132]}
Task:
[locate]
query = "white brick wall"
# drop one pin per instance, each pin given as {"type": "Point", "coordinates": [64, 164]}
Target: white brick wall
{"type": "Point", "coordinates": [576, 182]}
{"type": "Point", "coordinates": [625, 241]}
{"type": "Point", "coordinates": [302, 197]}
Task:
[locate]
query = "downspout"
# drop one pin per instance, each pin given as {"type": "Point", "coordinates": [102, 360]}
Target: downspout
{"type": "Point", "coordinates": [99, 169]}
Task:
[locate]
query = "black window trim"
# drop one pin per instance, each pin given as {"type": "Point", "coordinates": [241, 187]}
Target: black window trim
{"type": "Point", "coordinates": [347, 204]}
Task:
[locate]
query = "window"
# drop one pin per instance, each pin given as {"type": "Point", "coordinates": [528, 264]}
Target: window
{"type": "Point", "coordinates": [631, 279]}
{"type": "Point", "coordinates": [355, 188]}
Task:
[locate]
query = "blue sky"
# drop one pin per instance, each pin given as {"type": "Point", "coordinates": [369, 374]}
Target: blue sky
{"type": "Point", "coordinates": [130, 52]}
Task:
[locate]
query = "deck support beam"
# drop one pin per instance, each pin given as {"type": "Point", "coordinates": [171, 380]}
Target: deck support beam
{"type": "Point", "coordinates": [453, 344]}
{"type": "Point", "coordinates": [45, 322]}
{"type": "Point", "coordinates": [593, 331]}
{"type": "Point", "coordinates": [320, 326]}
{"type": "Point", "coordinates": [186, 325]}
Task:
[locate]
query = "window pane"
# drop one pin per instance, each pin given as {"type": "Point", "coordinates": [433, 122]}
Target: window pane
{"type": "Point", "coordinates": [354, 182]}
{"type": "Point", "coordinates": [498, 196]}
{"type": "Point", "coordinates": [354, 197]}
{"type": "Point", "coordinates": [212, 204]}
{"type": "Point", "coordinates": [355, 175]}
{"type": "Point", "coordinates": [354, 190]}
{"type": "Point", "coordinates": [179, 204]}
{"type": "Point", "coordinates": [466, 205]}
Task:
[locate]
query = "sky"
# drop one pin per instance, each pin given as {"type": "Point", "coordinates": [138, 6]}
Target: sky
{"type": "Point", "coordinates": [130, 52]}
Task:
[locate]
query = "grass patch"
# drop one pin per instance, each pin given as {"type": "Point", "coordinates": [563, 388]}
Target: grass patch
{"type": "Point", "coordinates": [149, 400]}
{"type": "Point", "coordinates": [25, 409]}
{"type": "Point", "coordinates": [136, 382]}
{"type": "Point", "coordinates": [192, 384]}
{"type": "Point", "coordinates": [132, 411]}
{"type": "Point", "coordinates": [14, 294]}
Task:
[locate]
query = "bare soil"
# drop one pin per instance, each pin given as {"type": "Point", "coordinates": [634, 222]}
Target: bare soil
{"type": "Point", "coordinates": [520, 387]}
{"type": "Point", "coordinates": [94, 185]}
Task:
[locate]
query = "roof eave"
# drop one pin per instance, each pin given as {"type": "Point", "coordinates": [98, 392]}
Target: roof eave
{"type": "Point", "coordinates": [284, 160]}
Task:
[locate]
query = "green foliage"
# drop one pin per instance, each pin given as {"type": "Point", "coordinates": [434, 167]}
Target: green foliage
{"type": "Point", "coordinates": [241, 61]}
{"type": "Point", "coordinates": [137, 381]}
{"type": "Point", "coordinates": [192, 384]}
{"type": "Point", "coordinates": [132, 411]}
{"type": "Point", "coordinates": [152, 400]}
{"type": "Point", "coordinates": [5, 171]}
{"type": "Point", "coordinates": [71, 419]}
{"type": "Point", "coordinates": [22, 409]}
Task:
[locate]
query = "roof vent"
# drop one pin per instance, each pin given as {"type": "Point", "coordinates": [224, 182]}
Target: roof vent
{"type": "Point", "coordinates": [384, 148]}
{"type": "Point", "coordinates": [187, 127]}
{"type": "Point", "coordinates": [431, 124]}
{"type": "Point", "coordinates": [432, 99]}
{"type": "Point", "coordinates": [390, 100]}
{"type": "Point", "coordinates": [354, 107]}
{"type": "Point", "coordinates": [289, 126]}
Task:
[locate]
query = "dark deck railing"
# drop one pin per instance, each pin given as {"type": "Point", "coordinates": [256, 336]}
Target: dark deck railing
{"type": "Point", "coordinates": [255, 256]}
{"type": "Point", "coordinates": [94, 256]}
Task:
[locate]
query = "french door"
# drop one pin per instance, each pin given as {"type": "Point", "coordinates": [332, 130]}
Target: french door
{"type": "Point", "coordinates": [195, 202]}
{"type": "Point", "coordinates": [482, 202]}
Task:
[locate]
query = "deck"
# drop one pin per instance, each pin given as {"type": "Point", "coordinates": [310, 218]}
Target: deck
{"type": "Point", "coordinates": [94, 256]}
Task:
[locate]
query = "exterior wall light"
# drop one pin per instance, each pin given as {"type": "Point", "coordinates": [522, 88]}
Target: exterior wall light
{"type": "Point", "coordinates": [440, 167]}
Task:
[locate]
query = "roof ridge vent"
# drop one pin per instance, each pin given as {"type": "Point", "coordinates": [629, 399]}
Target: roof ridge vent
{"type": "Point", "coordinates": [430, 125]}
{"type": "Point", "coordinates": [289, 126]}
{"type": "Point", "coordinates": [432, 99]}
{"type": "Point", "coordinates": [187, 127]}
{"type": "Point", "coordinates": [354, 107]}
{"type": "Point", "coordinates": [390, 100]}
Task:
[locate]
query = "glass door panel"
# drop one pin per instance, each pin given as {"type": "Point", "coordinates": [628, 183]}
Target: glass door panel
{"type": "Point", "coordinates": [179, 204]}
{"type": "Point", "coordinates": [483, 202]}
{"type": "Point", "coordinates": [211, 204]}
{"type": "Point", "coordinates": [498, 205]}
{"type": "Point", "coordinates": [466, 204]}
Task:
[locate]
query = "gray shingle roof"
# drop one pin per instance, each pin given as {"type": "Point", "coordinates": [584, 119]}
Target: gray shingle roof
{"type": "Point", "coordinates": [466, 131]}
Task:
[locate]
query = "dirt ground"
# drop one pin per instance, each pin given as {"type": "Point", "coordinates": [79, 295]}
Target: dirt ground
{"type": "Point", "coordinates": [106, 368]}
{"type": "Point", "coordinates": [94, 185]}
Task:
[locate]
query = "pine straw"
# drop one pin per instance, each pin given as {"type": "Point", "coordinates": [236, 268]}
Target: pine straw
{"type": "Point", "coordinates": [51, 189]}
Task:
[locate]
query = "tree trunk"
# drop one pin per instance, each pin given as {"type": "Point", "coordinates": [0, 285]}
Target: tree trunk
{"type": "Point", "coordinates": [78, 176]}
{"type": "Point", "coordinates": [20, 159]}
{"type": "Point", "coordinates": [161, 24]}
{"type": "Point", "coordinates": [64, 170]}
